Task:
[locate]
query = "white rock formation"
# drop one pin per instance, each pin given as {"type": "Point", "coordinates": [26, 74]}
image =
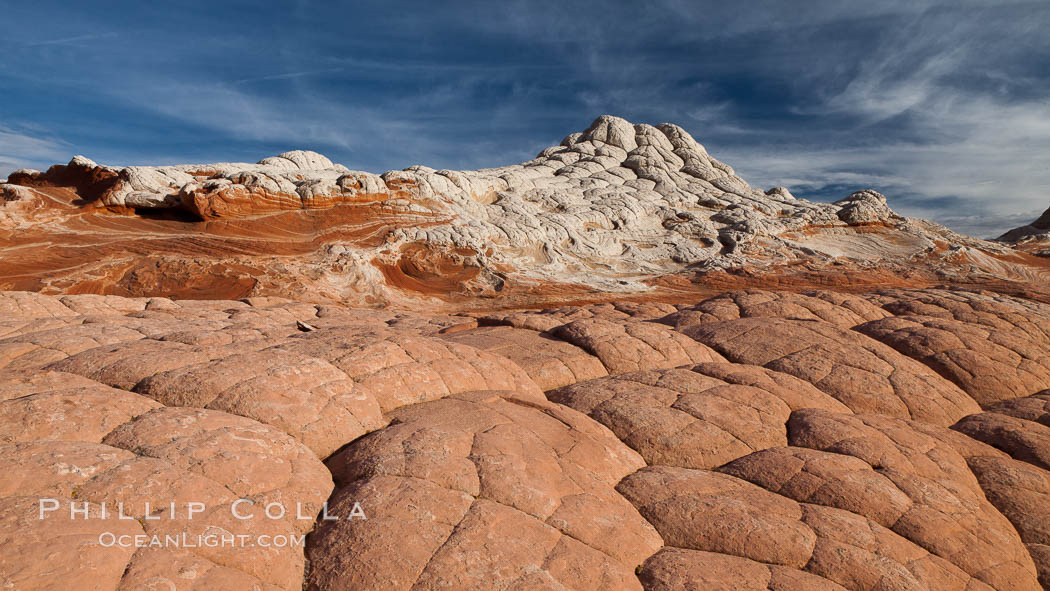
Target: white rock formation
{"type": "Point", "coordinates": [612, 204]}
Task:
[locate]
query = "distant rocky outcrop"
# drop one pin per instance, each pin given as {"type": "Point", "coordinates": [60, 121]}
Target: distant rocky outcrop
{"type": "Point", "coordinates": [1033, 238]}
{"type": "Point", "coordinates": [1039, 226]}
{"type": "Point", "coordinates": [618, 207]}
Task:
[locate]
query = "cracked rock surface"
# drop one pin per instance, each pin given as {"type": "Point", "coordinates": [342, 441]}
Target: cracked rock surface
{"type": "Point", "coordinates": [893, 439]}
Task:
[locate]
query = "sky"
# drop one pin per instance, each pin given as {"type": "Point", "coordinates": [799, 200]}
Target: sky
{"type": "Point", "coordinates": [942, 106]}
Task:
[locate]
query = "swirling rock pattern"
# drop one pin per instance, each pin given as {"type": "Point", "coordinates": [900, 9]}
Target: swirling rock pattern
{"type": "Point", "coordinates": [618, 208]}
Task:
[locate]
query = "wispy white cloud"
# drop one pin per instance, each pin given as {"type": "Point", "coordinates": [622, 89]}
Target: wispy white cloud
{"type": "Point", "coordinates": [287, 76]}
{"type": "Point", "coordinates": [28, 148]}
{"type": "Point", "coordinates": [987, 158]}
{"type": "Point", "coordinates": [982, 150]}
{"type": "Point", "coordinates": [74, 40]}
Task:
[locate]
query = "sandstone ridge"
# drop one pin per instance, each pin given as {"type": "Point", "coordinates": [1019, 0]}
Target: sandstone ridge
{"type": "Point", "coordinates": [1033, 238]}
{"type": "Point", "coordinates": [617, 208]}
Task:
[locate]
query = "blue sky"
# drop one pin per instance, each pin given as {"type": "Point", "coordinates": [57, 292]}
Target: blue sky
{"type": "Point", "coordinates": [942, 106]}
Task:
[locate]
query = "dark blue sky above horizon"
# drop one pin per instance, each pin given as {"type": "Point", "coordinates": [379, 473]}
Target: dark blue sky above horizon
{"type": "Point", "coordinates": [942, 106]}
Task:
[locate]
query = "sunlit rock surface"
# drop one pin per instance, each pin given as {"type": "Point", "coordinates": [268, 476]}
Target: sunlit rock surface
{"type": "Point", "coordinates": [619, 210]}
{"type": "Point", "coordinates": [751, 440]}
{"type": "Point", "coordinates": [615, 366]}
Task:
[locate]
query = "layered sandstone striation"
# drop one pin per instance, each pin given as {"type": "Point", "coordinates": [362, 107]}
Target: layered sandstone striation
{"type": "Point", "coordinates": [616, 209]}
